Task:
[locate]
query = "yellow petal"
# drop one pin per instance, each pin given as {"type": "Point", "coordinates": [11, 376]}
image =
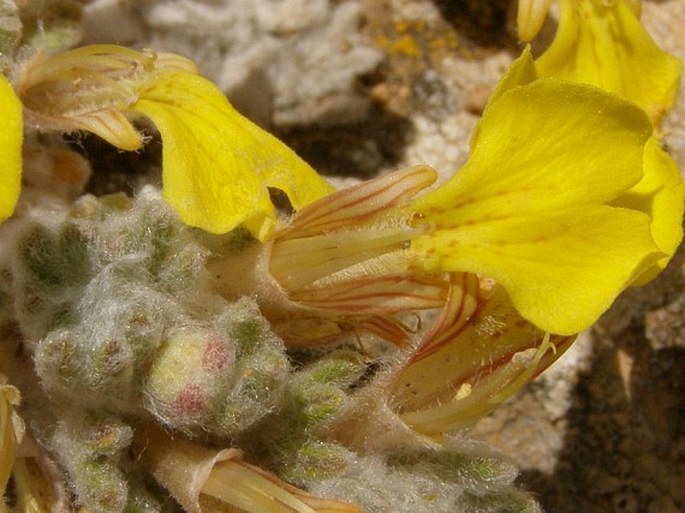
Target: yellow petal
{"type": "Point", "coordinates": [11, 128]}
{"type": "Point", "coordinates": [217, 164]}
{"type": "Point", "coordinates": [562, 269]}
{"type": "Point", "coordinates": [603, 43]}
{"type": "Point", "coordinates": [660, 194]}
{"type": "Point", "coordinates": [527, 209]}
{"type": "Point", "coordinates": [546, 145]}
{"type": "Point", "coordinates": [109, 124]}
{"type": "Point", "coordinates": [521, 72]}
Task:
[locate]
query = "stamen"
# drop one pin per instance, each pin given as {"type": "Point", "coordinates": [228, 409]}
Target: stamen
{"type": "Point", "coordinates": [300, 262]}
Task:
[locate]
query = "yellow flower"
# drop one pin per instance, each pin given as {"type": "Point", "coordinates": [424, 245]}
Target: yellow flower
{"type": "Point", "coordinates": [603, 43]}
{"type": "Point", "coordinates": [217, 165]}
{"type": "Point", "coordinates": [564, 212]}
{"type": "Point", "coordinates": [553, 204]}
{"type": "Point", "coordinates": [565, 201]}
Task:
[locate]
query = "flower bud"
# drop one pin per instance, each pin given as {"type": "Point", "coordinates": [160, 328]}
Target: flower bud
{"type": "Point", "coordinates": [90, 447]}
{"type": "Point", "coordinates": [220, 380]}
{"type": "Point", "coordinates": [530, 17]}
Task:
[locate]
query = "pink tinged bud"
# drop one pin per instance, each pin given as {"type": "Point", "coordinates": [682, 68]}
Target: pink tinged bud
{"type": "Point", "coordinates": [215, 356]}
{"type": "Point", "coordinates": [189, 400]}
{"type": "Point", "coordinates": [189, 375]}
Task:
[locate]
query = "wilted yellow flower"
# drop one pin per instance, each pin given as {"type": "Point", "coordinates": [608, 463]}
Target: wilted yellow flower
{"type": "Point", "coordinates": [11, 431]}
{"type": "Point", "coordinates": [203, 480]}
{"type": "Point", "coordinates": [216, 164]}
{"type": "Point", "coordinates": [603, 43]}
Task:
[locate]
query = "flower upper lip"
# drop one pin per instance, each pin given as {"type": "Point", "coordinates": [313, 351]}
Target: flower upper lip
{"type": "Point", "coordinates": [213, 184]}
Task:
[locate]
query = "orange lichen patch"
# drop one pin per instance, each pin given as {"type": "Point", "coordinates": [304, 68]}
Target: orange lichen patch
{"type": "Point", "coordinates": [450, 41]}
{"type": "Point", "coordinates": [404, 45]}
{"type": "Point", "coordinates": [415, 39]}
{"type": "Point", "coordinates": [412, 47]}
